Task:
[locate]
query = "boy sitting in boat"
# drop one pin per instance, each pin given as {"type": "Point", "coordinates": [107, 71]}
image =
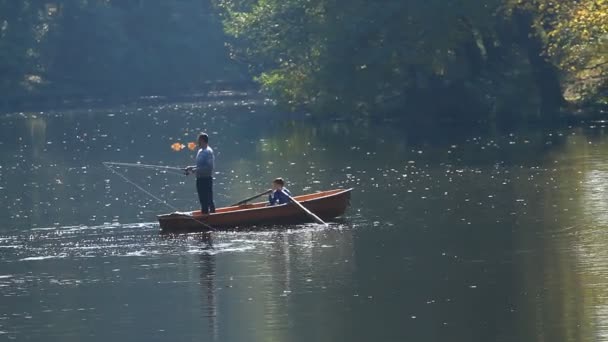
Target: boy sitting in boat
{"type": "Point", "coordinates": [279, 193]}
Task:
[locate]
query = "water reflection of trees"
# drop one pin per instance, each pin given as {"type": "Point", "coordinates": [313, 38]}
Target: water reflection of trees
{"type": "Point", "coordinates": [565, 260]}
{"type": "Point", "coordinates": [266, 291]}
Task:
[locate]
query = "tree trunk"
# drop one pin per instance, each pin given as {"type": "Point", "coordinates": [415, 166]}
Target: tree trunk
{"type": "Point", "coordinates": [545, 74]}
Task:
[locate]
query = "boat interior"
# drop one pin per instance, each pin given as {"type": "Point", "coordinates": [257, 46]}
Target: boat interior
{"type": "Point", "coordinates": [301, 198]}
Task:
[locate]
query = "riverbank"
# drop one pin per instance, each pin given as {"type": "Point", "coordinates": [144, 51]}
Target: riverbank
{"type": "Point", "coordinates": [249, 93]}
{"type": "Point", "coordinates": [45, 101]}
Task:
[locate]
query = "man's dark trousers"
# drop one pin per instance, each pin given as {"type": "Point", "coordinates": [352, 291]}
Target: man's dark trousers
{"type": "Point", "coordinates": [204, 187]}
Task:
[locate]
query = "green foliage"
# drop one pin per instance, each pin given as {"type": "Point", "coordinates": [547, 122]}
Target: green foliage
{"type": "Point", "coordinates": [371, 57]}
{"type": "Point", "coordinates": [578, 40]}
{"type": "Point", "coordinates": [111, 48]}
{"type": "Point", "coordinates": [427, 60]}
{"type": "Point", "coordinates": [142, 46]}
{"type": "Point", "coordinates": [19, 24]}
{"type": "Point", "coordinates": [281, 41]}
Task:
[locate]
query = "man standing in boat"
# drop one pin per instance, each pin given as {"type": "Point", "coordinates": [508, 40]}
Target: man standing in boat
{"type": "Point", "coordinates": [204, 174]}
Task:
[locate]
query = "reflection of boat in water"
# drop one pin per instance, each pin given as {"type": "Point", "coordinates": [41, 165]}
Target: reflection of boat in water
{"type": "Point", "coordinates": [326, 204]}
{"type": "Point", "coordinates": [253, 293]}
{"type": "Point", "coordinates": [207, 267]}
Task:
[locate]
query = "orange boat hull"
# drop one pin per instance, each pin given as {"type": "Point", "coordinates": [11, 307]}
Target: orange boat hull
{"type": "Point", "coordinates": [326, 204]}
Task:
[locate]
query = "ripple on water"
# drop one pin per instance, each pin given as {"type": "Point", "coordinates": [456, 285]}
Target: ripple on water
{"type": "Point", "coordinates": [214, 251]}
{"type": "Point", "coordinates": [141, 253]}
{"type": "Point", "coordinates": [44, 257]}
{"type": "Point", "coordinates": [136, 240]}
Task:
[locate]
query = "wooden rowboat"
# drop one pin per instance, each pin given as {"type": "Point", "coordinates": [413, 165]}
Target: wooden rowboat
{"type": "Point", "coordinates": [326, 204]}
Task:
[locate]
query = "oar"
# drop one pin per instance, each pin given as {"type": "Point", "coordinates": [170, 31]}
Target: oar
{"type": "Point", "coordinates": [252, 198]}
{"type": "Point", "coordinates": [308, 212]}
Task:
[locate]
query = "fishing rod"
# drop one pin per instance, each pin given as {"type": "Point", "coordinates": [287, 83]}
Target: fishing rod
{"type": "Point", "coordinates": [144, 166]}
{"type": "Point", "coordinates": [138, 187]}
{"type": "Point", "coordinates": [108, 165]}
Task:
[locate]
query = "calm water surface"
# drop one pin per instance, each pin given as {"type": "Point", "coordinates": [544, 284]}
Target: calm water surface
{"type": "Point", "coordinates": [478, 236]}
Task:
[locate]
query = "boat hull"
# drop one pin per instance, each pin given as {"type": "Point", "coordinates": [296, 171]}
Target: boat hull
{"type": "Point", "coordinates": [327, 205]}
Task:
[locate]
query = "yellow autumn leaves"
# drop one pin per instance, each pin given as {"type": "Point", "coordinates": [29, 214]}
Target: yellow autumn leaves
{"type": "Point", "coordinates": [577, 24]}
{"type": "Point", "coordinates": [576, 35]}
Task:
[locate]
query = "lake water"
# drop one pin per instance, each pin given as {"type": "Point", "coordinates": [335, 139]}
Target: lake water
{"type": "Point", "coordinates": [477, 236]}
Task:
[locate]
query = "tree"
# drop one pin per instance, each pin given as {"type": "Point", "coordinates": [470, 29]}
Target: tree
{"type": "Point", "coordinates": [19, 34]}
{"type": "Point", "coordinates": [577, 39]}
{"type": "Point", "coordinates": [134, 47]}
{"type": "Point", "coordinates": [433, 56]}
{"type": "Point", "coordinates": [367, 56]}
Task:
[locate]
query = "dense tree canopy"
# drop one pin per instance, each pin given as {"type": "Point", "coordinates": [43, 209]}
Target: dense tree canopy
{"type": "Point", "coordinates": [107, 47]}
{"type": "Point", "coordinates": [577, 40]}
{"type": "Point", "coordinates": [427, 60]}
{"type": "Point", "coordinates": [466, 57]}
{"type": "Point", "coordinates": [19, 27]}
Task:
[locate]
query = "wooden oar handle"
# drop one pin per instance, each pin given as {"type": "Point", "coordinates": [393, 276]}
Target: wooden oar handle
{"type": "Point", "coordinates": [252, 198]}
